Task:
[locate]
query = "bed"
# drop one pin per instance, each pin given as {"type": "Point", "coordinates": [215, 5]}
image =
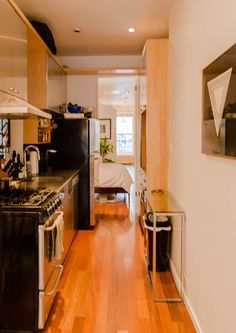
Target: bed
{"type": "Point", "coordinates": [112, 178]}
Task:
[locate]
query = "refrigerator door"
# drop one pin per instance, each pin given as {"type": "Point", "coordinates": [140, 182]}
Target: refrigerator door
{"type": "Point", "coordinates": [70, 140]}
{"type": "Point", "coordinates": [94, 141]}
{"type": "Point", "coordinates": [91, 191]}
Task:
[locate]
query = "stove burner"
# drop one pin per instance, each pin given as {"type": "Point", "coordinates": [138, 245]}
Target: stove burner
{"type": "Point", "coordinates": [22, 197]}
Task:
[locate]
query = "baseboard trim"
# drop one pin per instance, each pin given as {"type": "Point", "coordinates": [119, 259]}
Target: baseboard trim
{"type": "Point", "coordinates": [185, 298]}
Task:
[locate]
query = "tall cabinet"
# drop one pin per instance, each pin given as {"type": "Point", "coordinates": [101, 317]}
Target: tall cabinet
{"type": "Point", "coordinates": [153, 117]}
{"type": "Point", "coordinates": [46, 88]}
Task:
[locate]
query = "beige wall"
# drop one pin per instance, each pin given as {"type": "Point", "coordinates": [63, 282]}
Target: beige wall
{"type": "Point", "coordinates": [205, 186]}
{"type": "Point", "coordinates": [16, 137]}
{"type": "Point", "coordinates": [82, 89]}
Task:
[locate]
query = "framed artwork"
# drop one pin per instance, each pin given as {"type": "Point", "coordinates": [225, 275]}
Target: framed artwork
{"type": "Point", "coordinates": [219, 106]}
{"type": "Point", "coordinates": [105, 128]}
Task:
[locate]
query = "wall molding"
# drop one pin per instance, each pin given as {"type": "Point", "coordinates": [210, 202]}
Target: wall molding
{"type": "Point", "coordinates": [102, 70]}
{"type": "Point", "coordinates": [186, 300]}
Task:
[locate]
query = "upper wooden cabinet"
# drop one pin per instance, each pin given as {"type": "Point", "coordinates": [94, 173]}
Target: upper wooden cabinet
{"type": "Point", "coordinates": [13, 52]}
{"type": "Point", "coordinates": [155, 94]}
{"type": "Point", "coordinates": [46, 77]}
{"type": "Point", "coordinates": [46, 87]}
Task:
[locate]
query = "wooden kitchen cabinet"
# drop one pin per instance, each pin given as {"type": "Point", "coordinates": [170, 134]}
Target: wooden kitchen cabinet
{"type": "Point", "coordinates": [29, 70]}
{"type": "Point", "coordinates": [13, 52]}
{"type": "Point", "coordinates": [153, 119]}
{"type": "Point", "coordinates": [46, 87]}
{"type": "Point", "coordinates": [37, 131]}
{"type": "Point", "coordinates": [156, 66]}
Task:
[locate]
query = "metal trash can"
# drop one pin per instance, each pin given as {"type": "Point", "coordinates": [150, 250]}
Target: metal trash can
{"type": "Point", "coordinates": [163, 233]}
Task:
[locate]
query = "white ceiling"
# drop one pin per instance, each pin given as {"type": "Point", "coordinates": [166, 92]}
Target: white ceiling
{"type": "Point", "coordinates": [103, 24]}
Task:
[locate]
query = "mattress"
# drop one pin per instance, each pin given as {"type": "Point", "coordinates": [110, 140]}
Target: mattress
{"type": "Point", "coordinates": [113, 175]}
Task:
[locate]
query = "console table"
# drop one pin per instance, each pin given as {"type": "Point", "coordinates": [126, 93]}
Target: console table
{"type": "Point", "coordinates": [163, 204]}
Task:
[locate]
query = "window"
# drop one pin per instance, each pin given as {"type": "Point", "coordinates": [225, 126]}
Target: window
{"type": "Point", "coordinates": [124, 135]}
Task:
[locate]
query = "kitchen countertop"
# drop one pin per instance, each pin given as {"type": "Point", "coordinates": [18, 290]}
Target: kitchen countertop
{"type": "Point", "coordinates": [54, 180]}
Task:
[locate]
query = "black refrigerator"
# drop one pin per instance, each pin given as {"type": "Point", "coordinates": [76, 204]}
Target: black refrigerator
{"type": "Point", "coordinates": [77, 144]}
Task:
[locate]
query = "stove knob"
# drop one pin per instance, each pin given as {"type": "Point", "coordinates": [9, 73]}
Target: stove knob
{"type": "Point", "coordinates": [58, 202]}
{"type": "Point", "coordinates": [49, 211]}
{"type": "Point", "coordinates": [53, 207]}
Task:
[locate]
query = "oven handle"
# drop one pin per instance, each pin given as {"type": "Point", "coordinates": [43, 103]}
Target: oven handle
{"type": "Point", "coordinates": [54, 223]}
{"type": "Point", "coordinates": [42, 294]}
{"type": "Point", "coordinates": [52, 291]}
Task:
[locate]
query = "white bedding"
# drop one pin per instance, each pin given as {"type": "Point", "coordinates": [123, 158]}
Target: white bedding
{"type": "Point", "coordinates": [113, 175]}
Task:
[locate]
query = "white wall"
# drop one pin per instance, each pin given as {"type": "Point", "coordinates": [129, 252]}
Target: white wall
{"type": "Point", "coordinates": [108, 112]}
{"type": "Point", "coordinates": [205, 186]}
{"type": "Point", "coordinates": [82, 89]}
{"type": "Point", "coordinates": [16, 137]}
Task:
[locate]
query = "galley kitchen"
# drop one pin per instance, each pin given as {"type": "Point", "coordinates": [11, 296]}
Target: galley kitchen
{"type": "Point", "coordinates": [41, 174]}
{"type": "Point", "coordinates": [77, 246]}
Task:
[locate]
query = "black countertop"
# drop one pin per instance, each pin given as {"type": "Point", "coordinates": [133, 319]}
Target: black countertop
{"type": "Point", "coordinates": [54, 180]}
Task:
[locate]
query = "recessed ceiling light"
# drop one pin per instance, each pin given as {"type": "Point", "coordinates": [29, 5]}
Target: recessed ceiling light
{"type": "Point", "coordinates": [131, 30]}
{"type": "Point", "coordinates": [76, 29]}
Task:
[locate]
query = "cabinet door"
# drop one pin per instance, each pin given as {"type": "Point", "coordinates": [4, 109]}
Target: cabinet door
{"type": "Point", "coordinates": [36, 131]}
{"type": "Point", "coordinates": [69, 211]}
{"type": "Point", "coordinates": [157, 114]}
{"type": "Point", "coordinates": [66, 210]}
{"type": "Point", "coordinates": [75, 203]}
{"type": "Point", "coordinates": [143, 84]}
{"type": "Point", "coordinates": [56, 86]}
{"type": "Point", "coordinates": [13, 52]}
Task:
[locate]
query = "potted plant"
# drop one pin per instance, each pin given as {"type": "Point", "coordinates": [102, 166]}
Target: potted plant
{"type": "Point", "coordinates": [105, 148]}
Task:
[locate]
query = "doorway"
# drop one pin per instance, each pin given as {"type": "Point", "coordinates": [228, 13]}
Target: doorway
{"type": "Point", "coordinates": [116, 102]}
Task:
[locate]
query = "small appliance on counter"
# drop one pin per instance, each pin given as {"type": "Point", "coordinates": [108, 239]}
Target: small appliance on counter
{"type": "Point", "coordinates": [32, 164]}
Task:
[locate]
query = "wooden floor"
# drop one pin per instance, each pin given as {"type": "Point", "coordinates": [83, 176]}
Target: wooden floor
{"type": "Point", "coordinates": [105, 287]}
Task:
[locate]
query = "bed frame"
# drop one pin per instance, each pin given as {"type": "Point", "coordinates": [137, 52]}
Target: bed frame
{"type": "Point", "coordinates": [111, 190]}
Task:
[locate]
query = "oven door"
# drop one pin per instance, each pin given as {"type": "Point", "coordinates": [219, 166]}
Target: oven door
{"type": "Point", "coordinates": [50, 269]}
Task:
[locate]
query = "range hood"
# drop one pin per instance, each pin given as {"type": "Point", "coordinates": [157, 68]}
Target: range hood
{"type": "Point", "coordinates": [13, 107]}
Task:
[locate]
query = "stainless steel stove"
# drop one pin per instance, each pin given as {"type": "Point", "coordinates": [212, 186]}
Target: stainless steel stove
{"type": "Point", "coordinates": [25, 198]}
{"type": "Point", "coordinates": [31, 239]}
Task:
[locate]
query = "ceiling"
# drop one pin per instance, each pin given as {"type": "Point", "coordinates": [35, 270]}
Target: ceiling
{"type": "Point", "coordinates": [103, 23]}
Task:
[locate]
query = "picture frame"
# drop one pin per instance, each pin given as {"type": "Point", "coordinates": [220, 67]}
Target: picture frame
{"type": "Point", "coordinates": [219, 106]}
{"type": "Point", "coordinates": [105, 128]}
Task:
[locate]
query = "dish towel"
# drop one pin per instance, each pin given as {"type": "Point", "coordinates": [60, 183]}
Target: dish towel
{"type": "Point", "coordinates": [59, 236]}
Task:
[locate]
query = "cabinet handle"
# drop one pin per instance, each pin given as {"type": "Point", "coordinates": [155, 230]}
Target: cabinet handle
{"type": "Point", "coordinates": [159, 191]}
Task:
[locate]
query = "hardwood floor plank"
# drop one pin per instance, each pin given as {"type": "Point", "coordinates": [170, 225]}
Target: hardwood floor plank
{"type": "Point", "coordinates": [105, 287]}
